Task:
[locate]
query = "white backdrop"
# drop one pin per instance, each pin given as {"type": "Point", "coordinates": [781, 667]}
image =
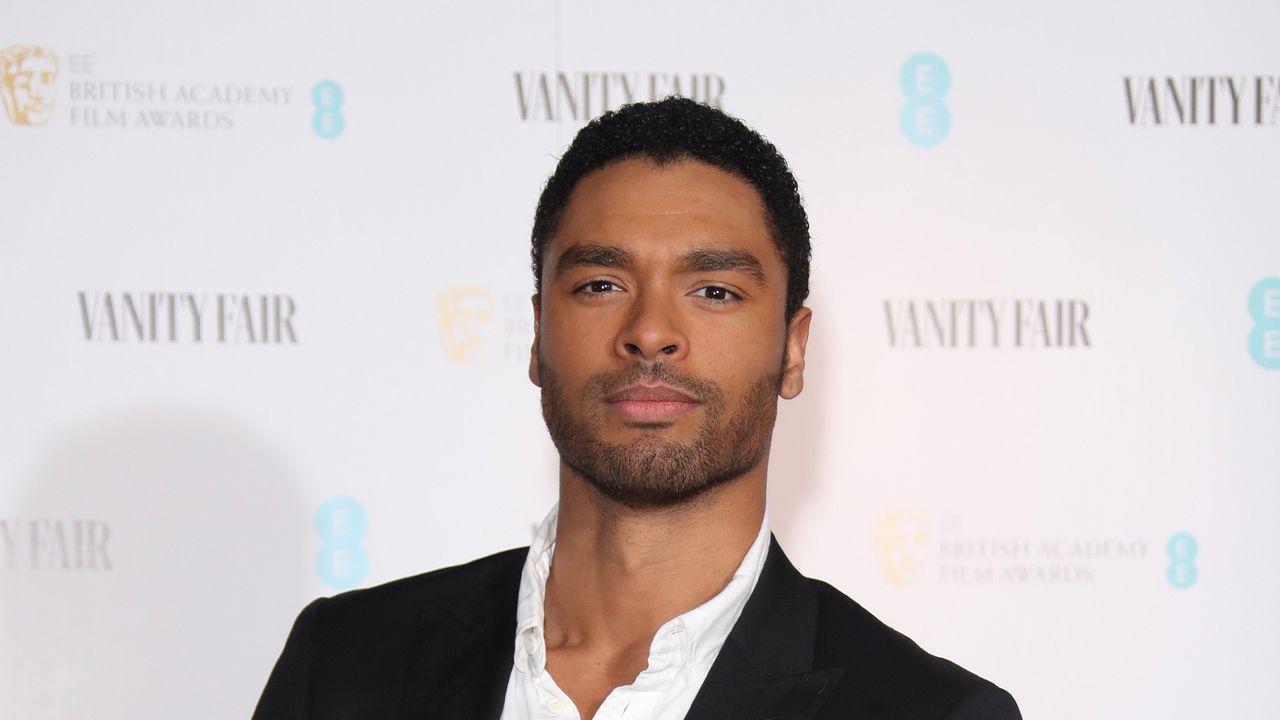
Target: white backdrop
{"type": "Point", "coordinates": [264, 322]}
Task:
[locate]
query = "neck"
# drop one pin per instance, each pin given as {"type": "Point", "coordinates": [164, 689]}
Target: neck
{"type": "Point", "coordinates": [619, 573]}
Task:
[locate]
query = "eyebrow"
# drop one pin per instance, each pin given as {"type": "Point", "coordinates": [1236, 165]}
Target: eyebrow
{"type": "Point", "coordinates": [593, 256]}
{"type": "Point", "coordinates": [716, 260]}
{"type": "Point", "coordinates": [701, 260]}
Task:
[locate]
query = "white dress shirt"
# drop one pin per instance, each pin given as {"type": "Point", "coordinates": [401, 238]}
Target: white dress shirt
{"type": "Point", "coordinates": [680, 655]}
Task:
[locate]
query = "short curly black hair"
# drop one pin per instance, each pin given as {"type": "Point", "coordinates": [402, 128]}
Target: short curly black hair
{"type": "Point", "coordinates": [675, 129]}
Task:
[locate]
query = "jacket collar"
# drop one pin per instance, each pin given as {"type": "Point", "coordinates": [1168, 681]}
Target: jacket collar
{"type": "Point", "coordinates": [765, 670]}
{"type": "Point", "coordinates": [462, 652]}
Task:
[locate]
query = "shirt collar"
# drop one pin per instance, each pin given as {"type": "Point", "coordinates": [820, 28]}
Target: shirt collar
{"type": "Point", "coordinates": [531, 652]}
{"type": "Point", "coordinates": [696, 635]}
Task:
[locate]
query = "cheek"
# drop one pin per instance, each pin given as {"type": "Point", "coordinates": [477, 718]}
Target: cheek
{"type": "Point", "coordinates": [742, 353]}
{"type": "Point", "coordinates": [574, 338]}
{"type": "Point", "coordinates": [571, 348]}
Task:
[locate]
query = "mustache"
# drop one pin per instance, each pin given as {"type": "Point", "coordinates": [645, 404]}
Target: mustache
{"type": "Point", "coordinates": [605, 384]}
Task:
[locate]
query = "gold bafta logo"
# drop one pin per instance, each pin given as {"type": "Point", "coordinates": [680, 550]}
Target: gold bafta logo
{"type": "Point", "coordinates": [463, 314]}
{"type": "Point", "coordinates": [28, 79]}
{"type": "Point", "coordinates": [901, 537]}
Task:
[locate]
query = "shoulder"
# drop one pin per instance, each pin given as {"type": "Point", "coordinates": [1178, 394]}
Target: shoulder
{"type": "Point", "coordinates": [386, 615]}
{"type": "Point", "coordinates": [442, 588]}
{"type": "Point", "coordinates": [887, 674]}
{"type": "Point", "coordinates": [347, 655]}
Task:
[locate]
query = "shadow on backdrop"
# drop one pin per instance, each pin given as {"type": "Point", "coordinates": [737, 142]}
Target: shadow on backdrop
{"type": "Point", "coordinates": [155, 560]}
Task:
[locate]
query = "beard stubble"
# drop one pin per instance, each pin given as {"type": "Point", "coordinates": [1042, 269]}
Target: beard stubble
{"type": "Point", "coordinates": [651, 471]}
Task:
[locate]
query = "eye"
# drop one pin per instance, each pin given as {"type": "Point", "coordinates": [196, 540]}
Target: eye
{"type": "Point", "coordinates": [717, 294]}
{"type": "Point", "coordinates": [597, 287]}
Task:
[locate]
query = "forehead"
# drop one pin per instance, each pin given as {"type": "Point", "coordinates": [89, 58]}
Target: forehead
{"type": "Point", "coordinates": [652, 209]}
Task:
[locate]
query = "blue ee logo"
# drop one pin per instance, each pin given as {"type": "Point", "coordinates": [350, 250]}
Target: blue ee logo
{"type": "Point", "coordinates": [341, 524]}
{"type": "Point", "coordinates": [1182, 550]}
{"type": "Point", "coordinates": [327, 97]}
{"type": "Point", "coordinates": [925, 80]}
{"type": "Point", "coordinates": [1264, 339]}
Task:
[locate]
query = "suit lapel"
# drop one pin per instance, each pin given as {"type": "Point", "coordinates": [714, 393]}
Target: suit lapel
{"type": "Point", "coordinates": [462, 654]}
{"type": "Point", "coordinates": [765, 669]}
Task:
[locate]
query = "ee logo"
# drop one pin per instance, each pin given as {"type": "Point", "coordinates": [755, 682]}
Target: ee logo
{"type": "Point", "coordinates": [1182, 560]}
{"type": "Point", "coordinates": [925, 80]}
{"type": "Point", "coordinates": [1264, 339]}
{"type": "Point", "coordinates": [341, 524]}
{"type": "Point", "coordinates": [327, 97]}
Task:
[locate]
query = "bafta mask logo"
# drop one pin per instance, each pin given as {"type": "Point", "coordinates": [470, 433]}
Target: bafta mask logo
{"type": "Point", "coordinates": [28, 79]}
{"type": "Point", "coordinates": [463, 315]}
{"type": "Point", "coordinates": [901, 537]}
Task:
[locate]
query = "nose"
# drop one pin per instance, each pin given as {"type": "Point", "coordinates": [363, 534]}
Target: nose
{"type": "Point", "coordinates": [651, 332]}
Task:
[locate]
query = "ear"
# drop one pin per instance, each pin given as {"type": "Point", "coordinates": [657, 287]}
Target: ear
{"type": "Point", "coordinates": [797, 338]}
{"type": "Point", "coordinates": [535, 374]}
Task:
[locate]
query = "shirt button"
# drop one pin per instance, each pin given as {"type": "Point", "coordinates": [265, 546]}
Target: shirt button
{"type": "Point", "coordinates": [555, 705]}
{"type": "Point", "coordinates": [530, 643]}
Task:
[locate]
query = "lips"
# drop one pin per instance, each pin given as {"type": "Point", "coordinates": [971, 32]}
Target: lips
{"type": "Point", "coordinates": [649, 404]}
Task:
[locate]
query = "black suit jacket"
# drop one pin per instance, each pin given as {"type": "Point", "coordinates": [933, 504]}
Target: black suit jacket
{"type": "Point", "coordinates": [440, 646]}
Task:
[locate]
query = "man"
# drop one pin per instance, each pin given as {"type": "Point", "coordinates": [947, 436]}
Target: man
{"type": "Point", "coordinates": [671, 260]}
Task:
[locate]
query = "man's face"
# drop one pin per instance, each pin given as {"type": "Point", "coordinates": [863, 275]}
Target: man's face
{"type": "Point", "coordinates": [30, 84]}
{"type": "Point", "coordinates": [661, 341]}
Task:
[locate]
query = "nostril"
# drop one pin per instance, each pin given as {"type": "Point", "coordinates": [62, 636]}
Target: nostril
{"type": "Point", "coordinates": [669, 350]}
{"type": "Point", "coordinates": [633, 349]}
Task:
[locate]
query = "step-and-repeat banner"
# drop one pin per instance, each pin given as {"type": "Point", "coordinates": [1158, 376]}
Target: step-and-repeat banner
{"type": "Point", "coordinates": [264, 324]}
